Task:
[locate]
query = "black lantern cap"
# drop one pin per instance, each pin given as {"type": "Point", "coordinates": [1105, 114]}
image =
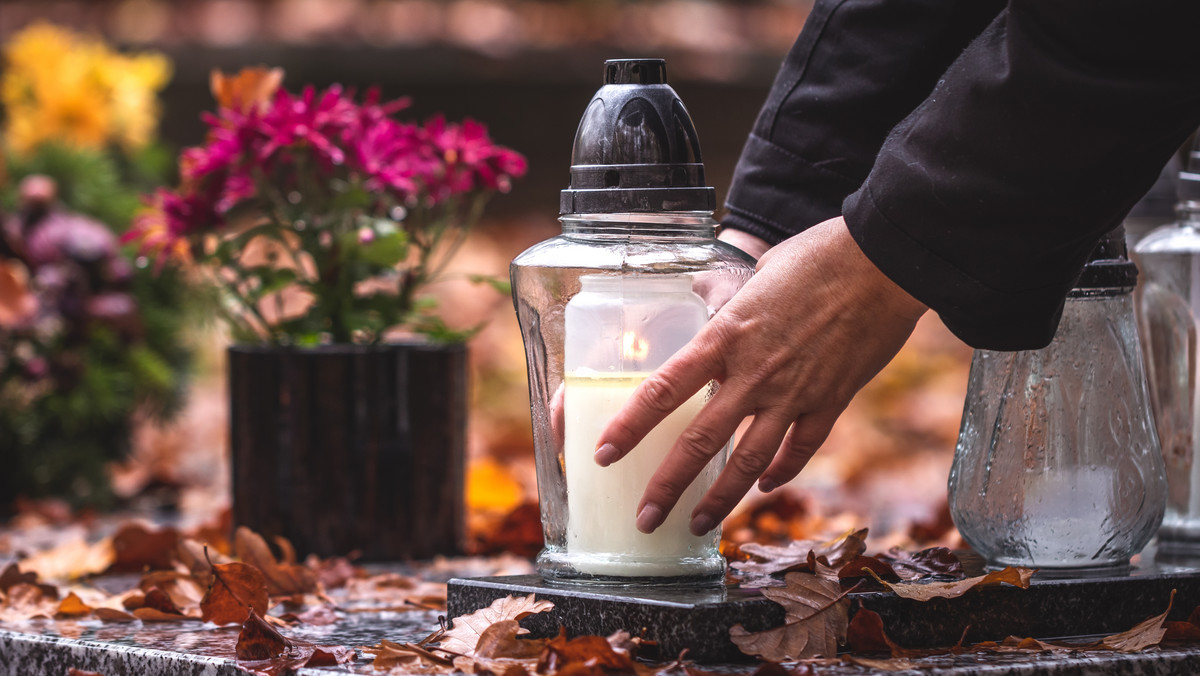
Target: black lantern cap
{"type": "Point", "coordinates": [636, 148]}
{"type": "Point", "coordinates": [1108, 270]}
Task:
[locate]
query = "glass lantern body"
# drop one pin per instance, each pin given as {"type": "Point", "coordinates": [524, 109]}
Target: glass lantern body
{"type": "Point", "coordinates": [1057, 465]}
{"type": "Point", "coordinates": [600, 307]}
{"type": "Point", "coordinates": [1168, 309]}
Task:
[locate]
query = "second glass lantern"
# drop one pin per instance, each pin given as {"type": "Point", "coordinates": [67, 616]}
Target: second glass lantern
{"type": "Point", "coordinates": [634, 276]}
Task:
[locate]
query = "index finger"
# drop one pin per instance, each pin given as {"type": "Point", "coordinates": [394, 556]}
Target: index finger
{"type": "Point", "coordinates": [659, 394]}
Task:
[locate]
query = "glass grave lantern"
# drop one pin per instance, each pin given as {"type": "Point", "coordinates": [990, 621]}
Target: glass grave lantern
{"type": "Point", "coordinates": [633, 277]}
{"type": "Point", "coordinates": [1057, 465]}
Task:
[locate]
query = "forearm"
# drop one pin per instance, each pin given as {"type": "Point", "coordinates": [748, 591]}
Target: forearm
{"type": "Point", "coordinates": [986, 200]}
{"type": "Point", "coordinates": [858, 67]}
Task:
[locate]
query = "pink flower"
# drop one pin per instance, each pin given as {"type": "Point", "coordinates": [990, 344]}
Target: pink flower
{"type": "Point", "coordinates": [471, 160]}
{"type": "Point", "coordinates": [162, 228]}
{"type": "Point", "coordinates": [309, 120]}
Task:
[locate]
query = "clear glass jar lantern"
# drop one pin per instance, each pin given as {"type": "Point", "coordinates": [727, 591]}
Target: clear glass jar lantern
{"type": "Point", "coordinates": [1057, 465]}
{"type": "Point", "coordinates": [1168, 311]}
{"type": "Point", "coordinates": [634, 276]}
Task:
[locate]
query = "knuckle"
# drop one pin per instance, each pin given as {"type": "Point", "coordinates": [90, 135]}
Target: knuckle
{"type": "Point", "coordinates": [699, 444]}
{"type": "Point", "coordinates": [659, 394]}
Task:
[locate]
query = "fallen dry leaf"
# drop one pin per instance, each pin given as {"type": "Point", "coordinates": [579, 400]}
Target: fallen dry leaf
{"type": "Point", "coordinates": [771, 559]}
{"type": "Point", "coordinates": [1146, 634]}
{"type": "Point", "coordinates": [156, 615]}
{"type": "Point", "coordinates": [179, 587]}
{"type": "Point", "coordinates": [72, 606]}
{"type": "Point", "coordinates": [394, 592]}
{"type": "Point", "coordinates": [113, 615]}
{"type": "Point", "coordinates": [80, 672]}
{"type": "Point", "coordinates": [593, 653]}
{"type": "Point", "coordinates": [283, 578]}
{"type": "Point", "coordinates": [72, 559]}
{"type": "Point", "coordinates": [889, 664]}
{"type": "Point", "coordinates": [137, 547]}
{"type": "Point", "coordinates": [866, 634]}
{"type": "Point", "coordinates": [856, 568]}
{"type": "Point", "coordinates": [237, 589]}
{"type": "Point", "coordinates": [816, 617]}
{"type": "Point", "coordinates": [1017, 577]}
{"type": "Point", "coordinates": [464, 632]}
{"type": "Point", "coordinates": [500, 641]}
{"type": "Point", "coordinates": [331, 656]}
{"type": "Point", "coordinates": [389, 655]}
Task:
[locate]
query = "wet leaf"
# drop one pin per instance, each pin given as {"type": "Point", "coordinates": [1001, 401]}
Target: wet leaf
{"type": "Point", "coordinates": [330, 656]}
{"type": "Point", "coordinates": [816, 617]}
{"type": "Point", "coordinates": [854, 569]}
{"type": "Point", "coordinates": [593, 652]}
{"type": "Point", "coordinates": [137, 547]}
{"type": "Point", "coordinates": [866, 633]}
{"type": "Point", "coordinates": [1146, 634]}
{"type": "Point", "coordinates": [283, 578]}
{"type": "Point", "coordinates": [159, 600]}
{"type": "Point", "coordinates": [771, 559]}
{"type": "Point", "coordinates": [464, 632]}
{"type": "Point", "coordinates": [890, 664]}
{"type": "Point", "coordinates": [389, 655]}
{"type": "Point", "coordinates": [237, 589]}
{"type": "Point", "coordinates": [179, 587]}
{"type": "Point", "coordinates": [1181, 631]}
{"type": "Point", "coordinates": [1018, 577]}
{"type": "Point", "coordinates": [925, 563]}
{"type": "Point", "coordinates": [500, 640]}
{"type": "Point", "coordinates": [260, 641]}
{"type": "Point", "coordinates": [156, 615]}
{"type": "Point", "coordinates": [72, 606]}
{"type": "Point", "coordinates": [113, 615]}
{"type": "Point", "coordinates": [80, 672]}
{"type": "Point", "coordinates": [12, 575]}
{"type": "Point", "coordinates": [72, 559]}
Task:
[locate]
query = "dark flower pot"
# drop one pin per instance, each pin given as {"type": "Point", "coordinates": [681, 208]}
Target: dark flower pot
{"type": "Point", "coordinates": [351, 447]}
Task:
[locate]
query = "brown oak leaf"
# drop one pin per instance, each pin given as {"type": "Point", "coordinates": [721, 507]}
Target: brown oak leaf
{"type": "Point", "coordinates": [816, 617]}
{"type": "Point", "coordinates": [770, 559]}
{"type": "Point", "coordinates": [1017, 577]}
{"type": "Point", "coordinates": [284, 578]}
{"type": "Point", "coordinates": [237, 589]}
{"type": "Point", "coordinates": [1144, 635]}
{"type": "Point", "coordinates": [464, 632]}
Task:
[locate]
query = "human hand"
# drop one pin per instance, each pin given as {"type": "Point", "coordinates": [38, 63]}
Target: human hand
{"type": "Point", "coordinates": [815, 323]}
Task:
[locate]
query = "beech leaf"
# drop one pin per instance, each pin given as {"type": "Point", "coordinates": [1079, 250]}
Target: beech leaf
{"type": "Point", "coordinates": [816, 617]}
{"type": "Point", "coordinates": [1146, 634]}
{"type": "Point", "coordinates": [770, 559]}
{"type": "Point", "coordinates": [237, 589]}
{"type": "Point", "coordinates": [1017, 577]}
{"type": "Point", "coordinates": [592, 652]}
{"type": "Point", "coordinates": [464, 632]}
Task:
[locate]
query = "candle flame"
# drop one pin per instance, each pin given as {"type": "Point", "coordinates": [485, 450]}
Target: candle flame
{"type": "Point", "coordinates": [634, 347]}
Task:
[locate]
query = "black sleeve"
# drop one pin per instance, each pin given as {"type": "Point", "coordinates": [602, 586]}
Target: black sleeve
{"type": "Point", "coordinates": [858, 67]}
{"type": "Point", "coordinates": [985, 202]}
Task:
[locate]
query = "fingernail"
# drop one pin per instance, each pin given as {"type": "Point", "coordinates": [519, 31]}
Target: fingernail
{"type": "Point", "coordinates": [607, 455]}
{"type": "Point", "coordinates": [767, 485]}
{"type": "Point", "coordinates": [702, 523]}
{"type": "Point", "coordinates": [649, 518]}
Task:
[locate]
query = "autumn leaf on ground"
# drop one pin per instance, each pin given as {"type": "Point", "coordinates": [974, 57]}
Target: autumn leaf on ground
{"type": "Point", "coordinates": [925, 563]}
{"type": "Point", "coordinates": [237, 590]}
{"type": "Point", "coordinates": [25, 601]}
{"type": "Point", "coordinates": [770, 559]}
{"type": "Point", "coordinates": [816, 616]}
{"type": "Point", "coordinates": [260, 641]}
{"type": "Point", "coordinates": [854, 568]}
{"type": "Point", "coordinates": [262, 649]}
{"type": "Point", "coordinates": [1017, 577]}
{"type": "Point", "coordinates": [500, 640]}
{"type": "Point", "coordinates": [12, 576]}
{"type": "Point", "coordinates": [1145, 634]}
{"type": "Point", "coordinates": [389, 655]}
{"type": "Point", "coordinates": [137, 547]}
{"type": "Point", "coordinates": [283, 578]}
{"type": "Point", "coordinates": [594, 653]}
{"type": "Point", "coordinates": [464, 632]}
{"type": "Point", "coordinates": [72, 606]}
{"type": "Point", "coordinates": [889, 664]}
{"type": "Point", "coordinates": [394, 592]}
{"type": "Point", "coordinates": [72, 559]}
{"type": "Point", "coordinates": [867, 635]}
{"type": "Point", "coordinates": [183, 591]}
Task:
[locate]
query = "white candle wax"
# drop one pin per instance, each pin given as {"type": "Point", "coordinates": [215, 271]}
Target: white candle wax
{"type": "Point", "coordinates": [602, 501]}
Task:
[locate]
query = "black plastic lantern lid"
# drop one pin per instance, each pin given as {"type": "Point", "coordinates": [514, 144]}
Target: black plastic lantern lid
{"type": "Point", "coordinates": [1108, 270]}
{"type": "Point", "coordinates": [636, 148]}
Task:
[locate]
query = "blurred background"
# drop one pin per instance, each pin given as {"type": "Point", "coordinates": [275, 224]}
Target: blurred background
{"type": "Point", "coordinates": [526, 69]}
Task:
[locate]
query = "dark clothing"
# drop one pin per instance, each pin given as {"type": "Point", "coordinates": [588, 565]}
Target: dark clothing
{"type": "Point", "coordinates": [981, 148]}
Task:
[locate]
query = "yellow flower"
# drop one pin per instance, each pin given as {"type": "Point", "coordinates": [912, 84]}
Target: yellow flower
{"type": "Point", "coordinates": [63, 87]}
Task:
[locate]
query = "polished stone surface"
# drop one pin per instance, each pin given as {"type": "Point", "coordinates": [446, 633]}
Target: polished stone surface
{"type": "Point", "coordinates": [698, 620]}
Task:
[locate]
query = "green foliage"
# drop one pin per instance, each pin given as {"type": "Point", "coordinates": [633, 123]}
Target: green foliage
{"type": "Point", "coordinates": [58, 430]}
